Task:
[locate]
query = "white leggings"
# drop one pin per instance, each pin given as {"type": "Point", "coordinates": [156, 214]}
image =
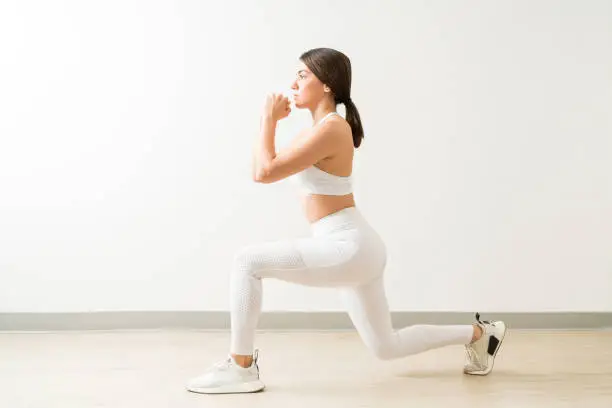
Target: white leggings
{"type": "Point", "coordinates": [344, 252]}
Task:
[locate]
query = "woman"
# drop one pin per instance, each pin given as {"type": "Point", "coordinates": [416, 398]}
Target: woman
{"type": "Point", "coordinates": [344, 251]}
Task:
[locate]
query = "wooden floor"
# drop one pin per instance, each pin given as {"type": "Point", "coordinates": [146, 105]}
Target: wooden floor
{"type": "Point", "coordinates": [320, 370]}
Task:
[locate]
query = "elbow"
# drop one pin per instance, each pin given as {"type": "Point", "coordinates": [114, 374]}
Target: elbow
{"type": "Point", "coordinates": [269, 173]}
{"type": "Point", "coordinates": [257, 178]}
{"type": "Point", "coordinates": [262, 175]}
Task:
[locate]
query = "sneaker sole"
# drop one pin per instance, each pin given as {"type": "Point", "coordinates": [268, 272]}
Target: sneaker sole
{"type": "Point", "coordinates": [250, 387]}
{"type": "Point", "coordinates": [490, 366]}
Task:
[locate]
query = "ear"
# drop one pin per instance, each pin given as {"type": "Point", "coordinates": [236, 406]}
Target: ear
{"type": "Point", "coordinates": [326, 89]}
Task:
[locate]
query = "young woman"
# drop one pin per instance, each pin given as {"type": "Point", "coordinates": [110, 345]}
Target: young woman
{"type": "Point", "coordinates": [344, 250]}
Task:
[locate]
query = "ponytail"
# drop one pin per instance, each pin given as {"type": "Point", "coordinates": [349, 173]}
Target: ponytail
{"type": "Point", "coordinates": [333, 68]}
{"type": "Point", "coordinates": [354, 120]}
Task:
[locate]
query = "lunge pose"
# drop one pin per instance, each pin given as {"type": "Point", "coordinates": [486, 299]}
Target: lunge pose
{"type": "Point", "coordinates": [343, 251]}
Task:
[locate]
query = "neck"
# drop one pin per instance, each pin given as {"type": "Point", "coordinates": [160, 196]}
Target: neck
{"type": "Point", "coordinates": [322, 109]}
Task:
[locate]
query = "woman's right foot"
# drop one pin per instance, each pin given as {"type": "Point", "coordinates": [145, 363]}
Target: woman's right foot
{"type": "Point", "coordinates": [482, 352]}
{"type": "Point", "coordinates": [227, 377]}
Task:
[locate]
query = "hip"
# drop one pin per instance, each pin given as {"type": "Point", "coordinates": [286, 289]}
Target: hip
{"type": "Point", "coordinates": [348, 226]}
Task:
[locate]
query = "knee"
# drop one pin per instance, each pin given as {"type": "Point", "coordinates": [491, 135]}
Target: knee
{"type": "Point", "coordinates": [383, 351]}
{"type": "Point", "coordinates": [245, 262]}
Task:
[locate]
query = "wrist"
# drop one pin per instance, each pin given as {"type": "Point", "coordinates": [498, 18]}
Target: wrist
{"type": "Point", "coordinates": [268, 119]}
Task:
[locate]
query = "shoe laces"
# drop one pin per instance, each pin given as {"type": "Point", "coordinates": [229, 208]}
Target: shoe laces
{"type": "Point", "coordinates": [223, 364]}
{"type": "Point", "coordinates": [474, 355]}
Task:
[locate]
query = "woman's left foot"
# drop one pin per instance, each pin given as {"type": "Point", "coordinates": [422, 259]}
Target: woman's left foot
{"type": "Point", "coordinates": [481, 353]}
{"type": "Point", "coordinates": [227, 377]}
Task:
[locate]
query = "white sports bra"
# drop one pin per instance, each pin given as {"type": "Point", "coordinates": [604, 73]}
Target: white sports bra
{"type": "Point", "coordinates": [313, 180]}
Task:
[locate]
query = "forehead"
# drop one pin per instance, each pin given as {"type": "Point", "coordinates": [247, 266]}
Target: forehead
{"type": "Point", "coordinates": [301, 67]}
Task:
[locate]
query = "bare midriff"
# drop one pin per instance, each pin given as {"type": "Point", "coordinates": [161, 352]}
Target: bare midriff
{"type": "Point", "coordinates": [317, 206]}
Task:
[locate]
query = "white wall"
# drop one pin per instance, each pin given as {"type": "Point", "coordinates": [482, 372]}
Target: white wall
{"type": "Point", "coordinates": [126, 129]}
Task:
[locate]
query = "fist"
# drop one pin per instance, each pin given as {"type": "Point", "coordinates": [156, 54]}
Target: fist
{"type": "Point", "coordinates": [277, 107]}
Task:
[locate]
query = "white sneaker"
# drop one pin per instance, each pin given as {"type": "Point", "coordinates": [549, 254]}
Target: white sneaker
{"type": "Point", "coordinates": [481, 354]}
{"type": "Point", "coordinates": [227, 377]}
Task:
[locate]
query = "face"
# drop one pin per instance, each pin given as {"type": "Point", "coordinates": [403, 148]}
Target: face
{"type": "Point", "coordinates": [308, 90]}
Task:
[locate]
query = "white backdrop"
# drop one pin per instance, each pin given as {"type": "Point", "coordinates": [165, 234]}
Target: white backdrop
{"type": "Point", "coordinates": [126, 129]}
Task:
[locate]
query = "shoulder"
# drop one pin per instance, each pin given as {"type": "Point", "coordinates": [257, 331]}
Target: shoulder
{"type": "Point", "coordinates": [334, 130]}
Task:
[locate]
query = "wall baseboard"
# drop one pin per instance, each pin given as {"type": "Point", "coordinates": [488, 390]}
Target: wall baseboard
{"type": "Point", "coordinates": [286, 320]}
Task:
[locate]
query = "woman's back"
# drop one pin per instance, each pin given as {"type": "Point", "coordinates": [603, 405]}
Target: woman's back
{"type": "Point", "coordinates": [327, 186]}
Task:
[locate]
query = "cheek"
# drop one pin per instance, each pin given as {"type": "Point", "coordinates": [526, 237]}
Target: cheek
{"type": "Point", "coordinates": [309, 90]}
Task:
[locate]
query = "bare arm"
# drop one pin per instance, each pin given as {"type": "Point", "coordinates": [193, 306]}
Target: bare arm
{"type": "Point", "coordinates": [265, 148]}
{"type": "Point", "coordinates": [271, 166]}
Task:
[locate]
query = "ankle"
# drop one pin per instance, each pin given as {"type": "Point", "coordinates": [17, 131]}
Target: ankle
{"type": "Point", "coordinates": [477, 333]}
{"type": "Point", "coordinates": [243, 361]}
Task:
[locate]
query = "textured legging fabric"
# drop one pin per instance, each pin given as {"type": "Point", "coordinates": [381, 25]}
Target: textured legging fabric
{"type": "Point", "coordinates": [346, 253]}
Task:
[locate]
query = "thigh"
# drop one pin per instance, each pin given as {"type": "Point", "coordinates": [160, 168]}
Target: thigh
{"type": "Point", "coordinates": [316, 261]}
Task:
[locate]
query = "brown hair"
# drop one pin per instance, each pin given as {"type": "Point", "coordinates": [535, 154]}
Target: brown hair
{"type": "Point", "coordinates": [333, 68]}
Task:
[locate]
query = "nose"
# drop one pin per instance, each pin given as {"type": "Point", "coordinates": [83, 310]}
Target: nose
{"type": "Point", "coordinates": [294, 85]}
